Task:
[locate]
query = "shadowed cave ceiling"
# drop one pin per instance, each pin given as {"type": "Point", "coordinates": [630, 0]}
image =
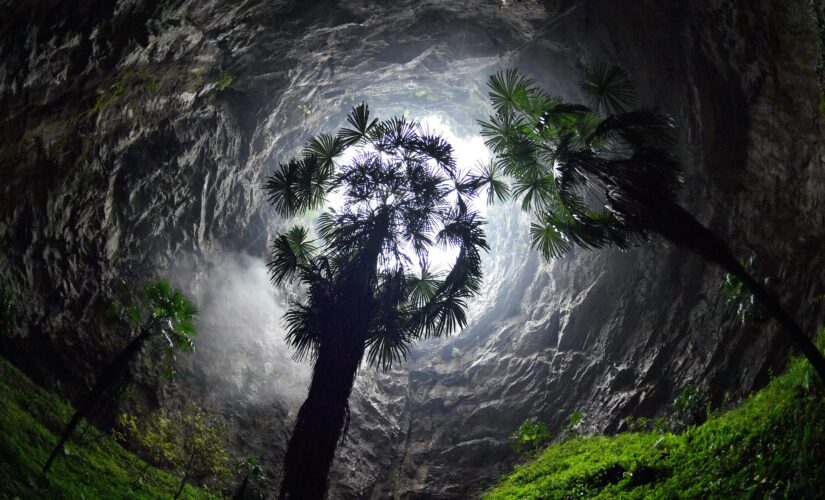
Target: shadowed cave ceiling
{"type": "Point", "coordinates": [136, 138]}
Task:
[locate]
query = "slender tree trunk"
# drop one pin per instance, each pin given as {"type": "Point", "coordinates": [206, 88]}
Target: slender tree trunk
{"type": "Point", "coordinates": [321, 419]}
{"type": "Point", "coordinates": [106, 380]}
{"type": "Point", "coordinates": [185, 476]}
{"type": "Point", "coordinates": [682, 229]}
{"type": "Point", "coordinates": [241, 492]}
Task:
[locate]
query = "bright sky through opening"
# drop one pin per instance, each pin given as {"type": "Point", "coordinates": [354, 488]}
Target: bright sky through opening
{"type": "Point", "coordinates": [468, 152]}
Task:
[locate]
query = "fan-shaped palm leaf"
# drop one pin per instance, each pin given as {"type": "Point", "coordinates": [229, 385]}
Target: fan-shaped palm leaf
{"type": "Point", "coordinates": [434, 146]}
{"type": "Point", "coordinates": [509, 90]}
{"type": "Point", "coordinates": [423, 286]}
{"type": "Point", "coordinates": [489, 176]}
{"type": "Point", "coordinates": [503, 132]}
{"type": "Point", "coordinates": [609, 88]}
{"type": "Point", "coordinates": [362, 127]}
{"type": "Point", "coordinates": [303, 330]}
{"type": "Point", "coordinates": [548, 239]}
{"type": "Point", "coordinates": [325, 148]}
{"type": "Point", "coordinates": [290, 252]}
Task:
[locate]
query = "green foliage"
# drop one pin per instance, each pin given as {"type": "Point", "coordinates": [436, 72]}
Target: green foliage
{"type": "Point", "coordinates": [739, 300]}
{"type": "Point", "coordinates": [688, 408]}
{"type": "Point", "coordinates": [530, 436]}
{"type": "Point", "coordinates": [252, 479]}
{"type": "Point", "coordinates": [609, 88]}
{"type": "Point", "coordinates": [772, 445]}
{"type": "Point", "coordinates": [575, 419]}
{"type": "Point", "coordinates": [587, 173]}
{"type": "Point", "coordinates": [189, 442]}
{"type": "Point", "coordinates": [163, 310]}
{"type": "Point", "coordinates": [94, 466]}
{"type": "Point", "coordinates": [637, 424]}
{"type": "Point", "coordinates": [125, 84]}
{"type": "Point", "coordinates": [225, 81]}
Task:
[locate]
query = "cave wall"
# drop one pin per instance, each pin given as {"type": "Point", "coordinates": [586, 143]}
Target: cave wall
{"type": "Point", "coordinates": [616, 334]}
{"type": "Point", "coordinates": [138, 135]}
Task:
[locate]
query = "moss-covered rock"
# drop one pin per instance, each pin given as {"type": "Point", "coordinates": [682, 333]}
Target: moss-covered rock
{"type": "Point", "coordinates": [772, 445]}
{"type": "Point", "coordinates": [94, 465]}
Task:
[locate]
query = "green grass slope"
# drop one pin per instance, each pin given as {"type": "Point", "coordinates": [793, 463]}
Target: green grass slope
{"type": "Point", "coordinates": [94, 465]}
{"type": "Point", "coordinates": [771, 446]}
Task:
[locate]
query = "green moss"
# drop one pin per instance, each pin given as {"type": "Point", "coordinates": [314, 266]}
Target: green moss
{"type": "Point", "coordinates": [94, 466]}
{"type": "Point", "coordinates": [772, 445]}
{"type": "Point", "coordinates": [125, 83]}
{"type": "Point", "coordinates": [226, 81]}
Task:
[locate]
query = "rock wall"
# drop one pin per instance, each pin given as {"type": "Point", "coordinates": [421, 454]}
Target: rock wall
{"type": "Point", "coordinates": [138, 135]}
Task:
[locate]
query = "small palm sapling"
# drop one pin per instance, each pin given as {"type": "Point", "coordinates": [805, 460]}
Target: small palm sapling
{"type": "Point", "coordinates": [162, 313]}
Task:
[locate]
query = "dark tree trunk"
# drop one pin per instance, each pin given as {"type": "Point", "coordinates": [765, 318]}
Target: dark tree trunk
{"type": "Point", "coordinates": [107, 380]}
{"type": "Point", "coordinates": [321, 419]}
{"type": "Point", "coordinates": [185, 477]}
{"type": "Point", "coordinates": [240, 493]}
{"type": "Point", "coordinates": [324, 415]}
{"type": "Point", "coordinates": [682, 229]}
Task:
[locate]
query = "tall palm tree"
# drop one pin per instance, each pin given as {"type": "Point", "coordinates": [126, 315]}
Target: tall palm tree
{"type": "Point", "coordinates": [602, 175]}
{"type": "Point", "coordinates": [367, 287]}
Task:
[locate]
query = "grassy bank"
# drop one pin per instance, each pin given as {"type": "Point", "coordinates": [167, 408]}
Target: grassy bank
{"type": "Point", "coordinates": [772, 445]}
{"type": "Point", "coordinates": [94, 465]}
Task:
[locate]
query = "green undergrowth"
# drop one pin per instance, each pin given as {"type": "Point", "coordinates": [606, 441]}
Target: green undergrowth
{"type": "Point", "coordinates": [770, 446]}
{"type": "Point", "coordinates": [94, 465]}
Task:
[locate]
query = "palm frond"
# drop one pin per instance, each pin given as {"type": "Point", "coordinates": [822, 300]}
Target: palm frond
{"type": "Point", "coordinates": [395, 133]}
{"type": "Point", "coordinates": [537, 191]}
{"type": "Point", "coordinates": [303, 331]}
{"type": "Point", "coordinates": [509, 90]}
{"type": "Point", "coordinates": [609, 88]}
{"type": "Point", "coordinates": [639, 129]}
{"type": "Point", "coordinates": [503, 132]}
{"type": "Point", "coordinates": [325, 148]}
{"type": "Point", "coordinates": [298, 185]}
{"type": "Point", "coordinates": [390, 333]}
{"type": "Point", "coordinates": [548, 239]}
{"type": "Point", "coordinates": [442, 317]}
{"type": "Point", "coordinates": [362, 127]}
{"type": "Point", "coordinates": [560, 116]}
{"type": "Point", "coordinates": [423, 286]}
{"type": "Point", "coordinates": [435, 147]}
{"type": "Point", "coordinates": [490, 177]}
{"type": "Point", "coordinates": [387, 347]}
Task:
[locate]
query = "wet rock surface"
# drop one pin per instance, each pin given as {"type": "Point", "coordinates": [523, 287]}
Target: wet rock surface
{"type": "Point", "coordinates": [137, 137]}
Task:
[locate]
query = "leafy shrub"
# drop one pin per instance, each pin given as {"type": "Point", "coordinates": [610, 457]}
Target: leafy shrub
{"type": "Point", "coordinates": [771, 446]}
{"type": "Point", "coordinates": [739, 300]}
{"type": "Point", "coordinates": [530, 436]}
{"type": "Point", "coordinates": [189, 442]}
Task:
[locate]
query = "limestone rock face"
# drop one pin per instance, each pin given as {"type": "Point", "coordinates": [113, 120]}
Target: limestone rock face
{"type": "Point", "coordinates": [136, 138]}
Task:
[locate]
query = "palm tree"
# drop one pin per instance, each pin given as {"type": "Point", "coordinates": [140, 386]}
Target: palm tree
{"type": "Point", "coordinates": [603, 175]}
{"type": "Point", "coordinates": [162, 313]}
{"type": "Point", "coordinates": [367, 287]}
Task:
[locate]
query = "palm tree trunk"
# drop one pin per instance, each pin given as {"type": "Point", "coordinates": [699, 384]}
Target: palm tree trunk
{"type": "Point", "coordinates": [321, 419]}
{"type": "Point", "coordinates": [106, 380]}
{"type": "Point", "coordinates": [325, 413]}
{"type": "Point", "coordinates": [682, 229]}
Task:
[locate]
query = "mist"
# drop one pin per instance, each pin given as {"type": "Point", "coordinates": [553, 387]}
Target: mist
{"type": "Point", "coordinates": [240, 352]}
